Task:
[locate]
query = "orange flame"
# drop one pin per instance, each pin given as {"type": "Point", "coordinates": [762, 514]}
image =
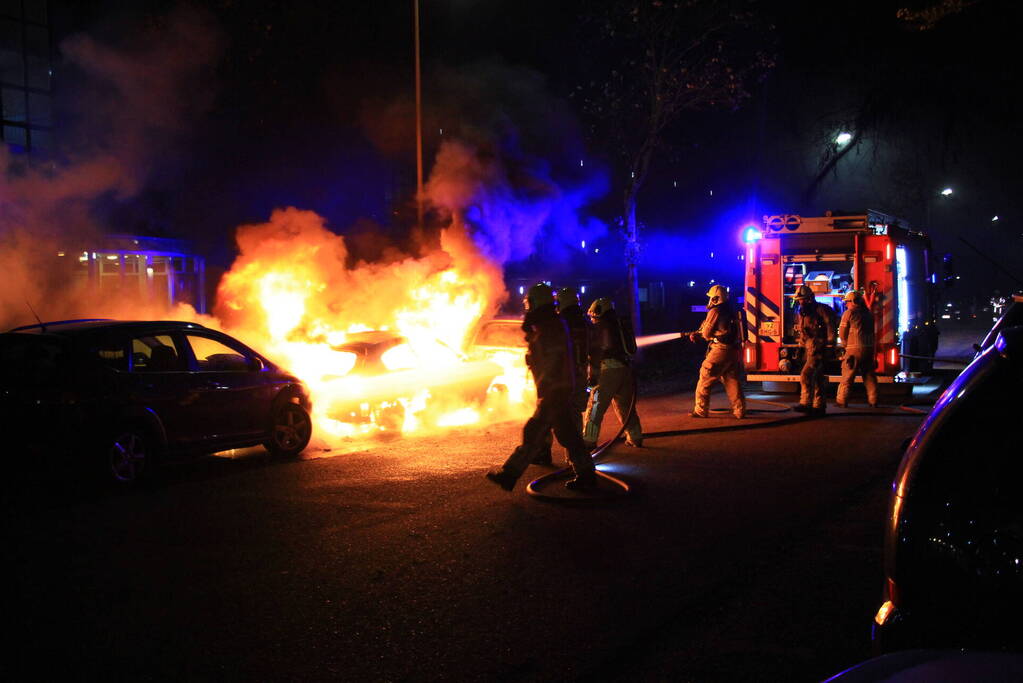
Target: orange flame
{"type": "Point", "coordinates": [294, 295]}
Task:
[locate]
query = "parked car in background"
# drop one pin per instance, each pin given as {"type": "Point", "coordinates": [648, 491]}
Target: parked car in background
{"type": "Point", "coordinates": [954, 536]}
{"type": "Point", "coordinates": [119, 396]}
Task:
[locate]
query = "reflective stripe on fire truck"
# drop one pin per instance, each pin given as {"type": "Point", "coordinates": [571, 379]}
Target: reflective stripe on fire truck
{"type": "Point", "coordinates": [768, 309]}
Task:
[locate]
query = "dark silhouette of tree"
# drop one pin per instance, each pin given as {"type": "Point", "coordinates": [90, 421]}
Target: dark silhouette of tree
{"type": "Point", "coordinates": [657, 60]}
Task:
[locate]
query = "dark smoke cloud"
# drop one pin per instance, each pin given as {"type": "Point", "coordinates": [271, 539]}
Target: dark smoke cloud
{"type": "Point", "coordinates": [507, 158]}
{"type": "Point", "coordinates": [134, 102]}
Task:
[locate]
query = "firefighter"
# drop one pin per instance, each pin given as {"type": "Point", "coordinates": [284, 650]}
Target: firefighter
{"type": "Point", "coordinates": [857, 334]}
{"type": "Point", "coordinates": [814, 329]}
{"type": "Point", "coordinates": [610, 374]}
{"type": "Point", "coordinates": [567, 304]}
{"type": "Point", "coordinates": [721, 330]}
{"type": "Point", "coordinates": [570, 310]}
{"type": "Point", "coordinates": [549, 357]}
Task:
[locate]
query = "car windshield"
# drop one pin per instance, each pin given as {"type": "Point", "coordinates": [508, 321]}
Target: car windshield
{"type": "Point", "coordinates": [501, 334]}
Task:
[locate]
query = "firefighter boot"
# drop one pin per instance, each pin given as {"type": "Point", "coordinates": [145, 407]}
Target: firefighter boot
{"type": "Point", "coordinates": [502, 477]}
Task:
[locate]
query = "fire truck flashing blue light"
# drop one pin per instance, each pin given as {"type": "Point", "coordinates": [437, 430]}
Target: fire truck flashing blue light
{"type": "Point", "coordinates": [583, 244]}
{"type": "Point", "coordinates": [522, 290]}
{"type": "Point", "coordinates": [903, 305]}
{"type": "Point", "coordinates": [751, 234]}
{"type": "Point", "coordinates": [582, 290]}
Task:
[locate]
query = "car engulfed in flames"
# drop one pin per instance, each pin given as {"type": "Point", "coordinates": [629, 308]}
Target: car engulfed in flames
{"type": "Point", "coordinates": [386, 382]}
{"type": "Point", "coordinates": [383, 347]}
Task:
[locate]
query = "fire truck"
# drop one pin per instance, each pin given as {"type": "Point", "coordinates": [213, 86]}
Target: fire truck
{"type": "Point", "coordinates": [833, 254]}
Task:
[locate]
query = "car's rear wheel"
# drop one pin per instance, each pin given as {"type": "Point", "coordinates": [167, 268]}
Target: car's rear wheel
{"type": "Point", "coordinates": [290, 432]}
{"type": "Point", "coordinates": [127, 455]}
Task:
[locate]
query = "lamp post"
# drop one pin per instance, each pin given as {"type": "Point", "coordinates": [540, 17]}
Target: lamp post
{"type": "Point", "coordinates": [419, 124]}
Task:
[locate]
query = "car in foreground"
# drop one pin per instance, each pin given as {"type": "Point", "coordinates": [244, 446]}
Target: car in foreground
{"type": "Point", "coordinates": [383, 376]}
{"type": "Point", "coordinates": [954, 533]}
{"type": "Point", "coordinates": [120, 396]}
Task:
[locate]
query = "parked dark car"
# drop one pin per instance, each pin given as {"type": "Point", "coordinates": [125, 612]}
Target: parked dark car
{"type": "Point", "coordinates": [954, 537]}
{"type": "Point", "coordinates": [119, 395]}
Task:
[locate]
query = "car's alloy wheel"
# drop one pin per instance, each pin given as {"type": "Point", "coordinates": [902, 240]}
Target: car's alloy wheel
{"type": "Point", "coordinates": [291, 432]}
{"type": "Point", "coordinates": [127, 456]}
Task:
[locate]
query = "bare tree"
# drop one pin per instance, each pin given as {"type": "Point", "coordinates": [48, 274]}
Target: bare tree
{"type": "Point", "coordinates": [660, 59]}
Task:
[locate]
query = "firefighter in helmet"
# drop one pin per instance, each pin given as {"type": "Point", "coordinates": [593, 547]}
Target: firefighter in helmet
{"type": "Point", "coordinates": [610, 374]}
{"type": "Point", "coordinates": [567, 304]}
{"type": "Point", "coordinates": [814, 329]}
{"type": "Point", "coordinates": [571, 312]}
{"type": "Point", "coordinates": [722, 362]}
{"type": "Point", "coordinates": [857, 334]}
{"type": "Point", "coordinates": [549, 357]}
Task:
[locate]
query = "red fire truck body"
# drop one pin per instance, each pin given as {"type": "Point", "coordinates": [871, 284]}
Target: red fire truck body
{"type": "Point", "coordinates": [833, 254]}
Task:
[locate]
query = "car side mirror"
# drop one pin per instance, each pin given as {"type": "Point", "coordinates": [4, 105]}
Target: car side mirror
{"type": "Point", "coordinates": [255, 364]}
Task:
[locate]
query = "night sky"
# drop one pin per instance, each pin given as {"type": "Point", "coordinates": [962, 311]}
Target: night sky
{"type": "Point", "coordinates": [309, 104]}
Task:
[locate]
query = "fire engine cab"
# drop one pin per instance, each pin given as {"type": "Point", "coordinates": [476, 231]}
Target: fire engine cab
{"type": "Point", "coordinates": [833, 254]}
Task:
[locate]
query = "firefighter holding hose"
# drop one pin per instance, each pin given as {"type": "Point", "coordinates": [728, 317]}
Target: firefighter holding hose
{"type": "Point", "coordinates": [610, 374]}
{"type": "Point", "coordinates": [549, 357]}
{"type": "Point", "coordinates": [857, 333]}
{"type": "Point", "coordinates": [723, 359]}
{"type": "Point", "coordinates": [579, 330]}
{"type": "Point", "coordinates": [814, 330]}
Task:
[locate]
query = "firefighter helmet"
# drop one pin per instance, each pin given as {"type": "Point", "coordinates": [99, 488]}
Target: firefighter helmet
{"type": "Point", "coordinates": [852, 296]}
{"type": "Point", "coordinates": [599, 307]}
{"type": "Point", "coordinates": [804, 293]}
{"type": "Point", "coordinates": [567, 297]}
{"type": "Point", "coordinates": [538, 296]}
{"type": "Point", "coordinates": [718, 295]}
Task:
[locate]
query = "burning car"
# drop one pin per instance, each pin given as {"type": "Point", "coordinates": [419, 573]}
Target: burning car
{"type": "Point", "coordinates": [387, 381]}
{"type": "Point", "coordinates": [118, 396]}
{"type": "Point", "coordinates": [502, 341]}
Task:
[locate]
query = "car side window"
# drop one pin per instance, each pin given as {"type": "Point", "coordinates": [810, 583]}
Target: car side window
{"type": "Point", "coordinates": [32, 362]}
{"type": "Point", "coordinates": [155, 353]}
{"type": "Point", "coordinates": [110, 352]}
{"type": "Point", "coordinates": [215, 356]}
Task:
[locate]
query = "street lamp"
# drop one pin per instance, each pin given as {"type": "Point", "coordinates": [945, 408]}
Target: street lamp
{"type": "Point", "coordinates": [419, 122]}
{"type": "Point", "coordinates": [843, 138]}
{"type": "Point", "coordinates": [946, 192]}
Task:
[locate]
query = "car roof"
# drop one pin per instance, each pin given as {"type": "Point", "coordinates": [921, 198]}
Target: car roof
{"type": "Point", "coordinates": [66, 327]}
{"type": "Point", "coordinates": [373, 336]}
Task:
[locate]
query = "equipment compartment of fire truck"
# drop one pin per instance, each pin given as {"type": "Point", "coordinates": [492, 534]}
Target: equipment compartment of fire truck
{"type": "Point", "coordinates": [833, 254]}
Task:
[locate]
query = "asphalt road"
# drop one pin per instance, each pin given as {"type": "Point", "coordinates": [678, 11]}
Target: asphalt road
{"type": "Point", "coordinates": [750, 553]}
